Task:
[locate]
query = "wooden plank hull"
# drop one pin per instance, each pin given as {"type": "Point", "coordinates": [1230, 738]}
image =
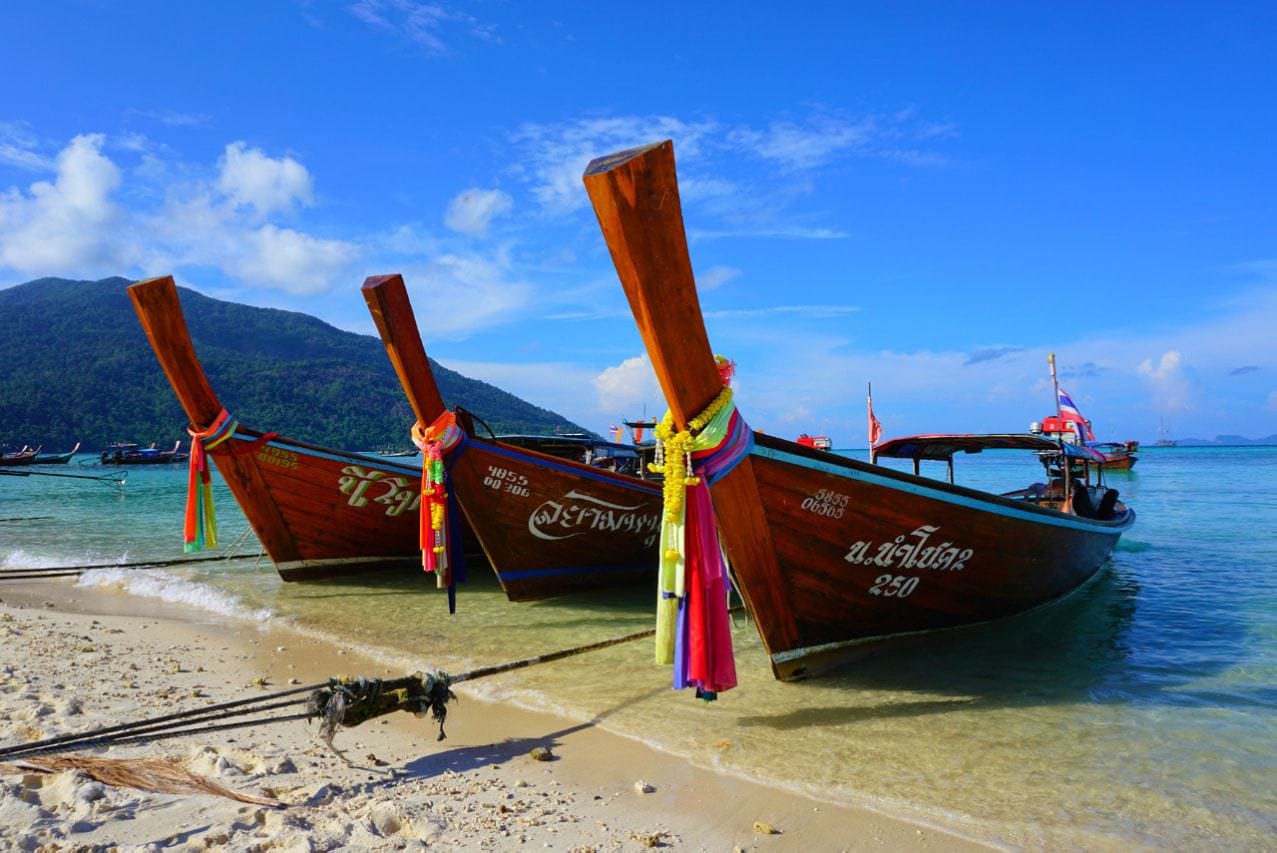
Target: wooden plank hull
{"type": "Point", "coordinates": [870, 553]}
{"type": "Point", "coordinates": [318, 512]}
{"type": "Point", "coordinates": [828, 552]}
{"type": "Point", "coordinates": [323, 513]}
{"type": "Point", "coordinates": [1119, 462]}
{"type": "Point", "coordinates": [550, 526]}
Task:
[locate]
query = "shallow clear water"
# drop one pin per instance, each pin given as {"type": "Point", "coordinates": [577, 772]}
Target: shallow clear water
{"type": "Point", "coordinates": [1141, 710]}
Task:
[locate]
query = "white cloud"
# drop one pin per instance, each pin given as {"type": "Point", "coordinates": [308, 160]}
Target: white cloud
{"type": "Point", "coordinates": [1165, 376]}
{"type": "Point", "coordinates": [293, 261]}
{"type": "Point", "coordinates": [250, 178]}
{"type": "Point", "coordinates": [422, 23]}
{"type": "Point", "coordinates": [715, 277]}
{"type": "Point", "coordinates": [823, 137]}
{"type": "Point", "coordinates": [553, 385]}
{"type": "Point", "coordinates": [558, 154]}
{"type": "Point", "coordinates": [626, 387]}
{"type": "Point", "coordinates": [472, 211]}
{"type": "Point", "coordinates": [18, 147]}
{"type": "Point", "coordinates": [67, 226]}
{"type": "Point", "coordinates": [72, 226]}
{"type": "Point", "coordinates": [456, 294]}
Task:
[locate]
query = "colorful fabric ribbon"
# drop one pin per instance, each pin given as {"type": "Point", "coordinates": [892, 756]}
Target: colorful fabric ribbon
{"type": "Point", "coordinates": [437, 549]}
{"type": "Point", "coordinates": [200, 529]}
{"type": "Point", "coordinates": [693, 631]}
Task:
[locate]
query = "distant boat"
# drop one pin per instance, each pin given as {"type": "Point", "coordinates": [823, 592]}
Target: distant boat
{"type": "Point", "coordinates": [1117, 455]}
{"type": "Point", "coordinates": [831, 552]}
{"type": "Point", "coordinates": [317, 511]}
{"type": "Point", "coordinates": [129, 453]}
{"type": "Point", "coordinates": [26, 456]}
{"type": "Point", "coordinates": [1067, 425]}
{"type": "Point", "coordinates": [1162, 440]}
{"type": "Point", "coordinates": [818, 442]}
{"type": "Point", "coordinates": [57, 458]}
{"type": "Point", "coordinates": [554, 513]}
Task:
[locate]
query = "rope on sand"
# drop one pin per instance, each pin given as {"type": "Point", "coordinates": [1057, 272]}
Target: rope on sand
{"type": "Point", "coordinates": [336, 702]}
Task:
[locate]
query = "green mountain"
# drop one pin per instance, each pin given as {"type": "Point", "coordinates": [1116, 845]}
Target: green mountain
{"type": "Point", "coordinates": [76, 366]}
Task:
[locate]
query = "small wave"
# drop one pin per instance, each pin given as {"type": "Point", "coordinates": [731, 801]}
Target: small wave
{"type": "Point", "coordinates": [165, 587]}
{"type": "Point", "coordinates": [20, 559]}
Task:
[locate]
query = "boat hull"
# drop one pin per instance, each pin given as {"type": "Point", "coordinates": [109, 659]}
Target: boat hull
{"type": "Point", "coordinates": [868, 553]}
{"type": "Point", "coordinates": [321, 513]}
{"type": "Point", "coordinates": [551, 526]}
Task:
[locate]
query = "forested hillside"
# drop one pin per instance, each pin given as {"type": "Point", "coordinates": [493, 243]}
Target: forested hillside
{"type": "Point", "coordinates": [76, 366]}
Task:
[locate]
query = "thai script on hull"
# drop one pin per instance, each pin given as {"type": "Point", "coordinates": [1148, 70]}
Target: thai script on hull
{"type": "Point", "coordinates": [397, 494]}
{"type": "Point", "coordinates": [911, 551]}
{"type": "Point", "coordinates": [577, 513]}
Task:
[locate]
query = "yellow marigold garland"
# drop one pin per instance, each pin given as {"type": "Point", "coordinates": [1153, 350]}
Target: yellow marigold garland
{"type": "Point", "coordinates": [672, 457]}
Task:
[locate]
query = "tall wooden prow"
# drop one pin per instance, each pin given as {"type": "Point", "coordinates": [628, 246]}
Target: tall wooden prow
{"type": "Point", "coordinates": [635, 196]}
{"type": "Point", "coordinates": [387, 299]}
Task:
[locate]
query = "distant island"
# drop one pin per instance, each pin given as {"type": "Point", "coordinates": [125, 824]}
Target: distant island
{"type": "Point", "coordinates": [1227, 441]}
{"type": "Point", "coordinates": [76, 366]}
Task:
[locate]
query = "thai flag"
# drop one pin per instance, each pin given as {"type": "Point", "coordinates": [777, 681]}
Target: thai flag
{"type": "Point", "coordinates": [1069, 412]}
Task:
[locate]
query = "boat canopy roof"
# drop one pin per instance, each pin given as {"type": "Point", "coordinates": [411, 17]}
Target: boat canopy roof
{"type": "Point", "coordinates": [556, 444]}
{"type": "Point", "coordinates": [945, 447]}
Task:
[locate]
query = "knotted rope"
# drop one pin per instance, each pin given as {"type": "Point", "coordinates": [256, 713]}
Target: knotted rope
{"type": "Point", "coordinates": [693, 631]}
{"type": "Point", "coordinates": [351, 701]}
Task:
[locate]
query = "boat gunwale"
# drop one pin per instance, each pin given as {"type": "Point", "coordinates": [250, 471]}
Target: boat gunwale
{"type": "Point", "coordinates": [826, 459]}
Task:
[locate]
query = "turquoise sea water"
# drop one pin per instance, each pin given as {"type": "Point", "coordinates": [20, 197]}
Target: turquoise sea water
{"type": "Point", "coordinates": [1141, 711]}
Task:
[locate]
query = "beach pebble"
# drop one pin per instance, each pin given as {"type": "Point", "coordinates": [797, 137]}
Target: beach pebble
{"type": "Point", "coordinates": [764, 828]}
{"type": "Point", "coordinates": [643, 788]}
{"type": "Point", "coordinates": [541, 753]}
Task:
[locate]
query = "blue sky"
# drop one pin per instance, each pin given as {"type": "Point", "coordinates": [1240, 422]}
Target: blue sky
{"type": "Point", "coordinates": [926, 196]}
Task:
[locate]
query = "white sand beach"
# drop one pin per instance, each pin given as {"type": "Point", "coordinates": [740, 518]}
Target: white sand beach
{"type": "Point", "coordinates": [77, 659]}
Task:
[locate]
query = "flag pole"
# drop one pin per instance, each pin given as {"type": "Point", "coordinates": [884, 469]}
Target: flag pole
{"type": "Point", "coordinates": [1059, 413]}
{"type": "Point", "coordinates": [873, 457]}
{"type": "Point", "coordinates": [1055, 383]}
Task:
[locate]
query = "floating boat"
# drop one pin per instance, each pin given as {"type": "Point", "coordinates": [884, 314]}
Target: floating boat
{"type": "Point", "coordinates": [129, 453]}
{"type": "Point", "coordinates": [554, 514]}
{"type": "Point", "coordinates": [828, 552]}
{"type": "Point", "coordinates": [1068, 425]}
{"type": "Point", "coordinates": [57, 458]}
{"type": "Point", "coordinates": [816, 442]}
{"type": "Point", "coordinates": [26, 456]}
{"type": "Point", "coordinates": [1117, 455]}
{"type": "Point", "coordinates": [318, 512]}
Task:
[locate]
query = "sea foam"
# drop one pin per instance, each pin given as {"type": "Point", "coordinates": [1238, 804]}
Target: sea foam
{"type": "Point", "coordinates": [150, 583]}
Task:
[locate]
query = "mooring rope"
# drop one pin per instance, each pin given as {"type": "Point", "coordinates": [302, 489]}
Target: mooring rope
{"type": "Point", "coordinates": [336, 702]}
{"type": "Point", "coordinates": [35, 572]}
{"type": "Point", "coordinates": [115, 478]}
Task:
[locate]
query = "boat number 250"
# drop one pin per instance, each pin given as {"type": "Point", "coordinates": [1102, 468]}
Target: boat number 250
{"type": "Point", "coordinates": [893, 586]}
{"type": "Point", "coordinates": [826, 502]}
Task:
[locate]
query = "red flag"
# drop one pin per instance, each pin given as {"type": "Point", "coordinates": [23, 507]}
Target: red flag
{"type": "Point", "coordinates": [875, 428]}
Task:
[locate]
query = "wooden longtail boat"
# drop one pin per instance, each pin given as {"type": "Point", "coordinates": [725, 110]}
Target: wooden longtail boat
{"type": "Point", "coordinates": [548, 524]}
{"type": "Point", "coordinates": [26, 456]}
{"type": "Point", "coordinates": [1118, 455]}
{"type": "Point", "coordinates": [57, 458]}
{"type": "Point", "coordinates": [318, 512]}
{"type": "Point", "coordinates": [129, 453]}
{"type": "Point", "coordinates": [830, 552]}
